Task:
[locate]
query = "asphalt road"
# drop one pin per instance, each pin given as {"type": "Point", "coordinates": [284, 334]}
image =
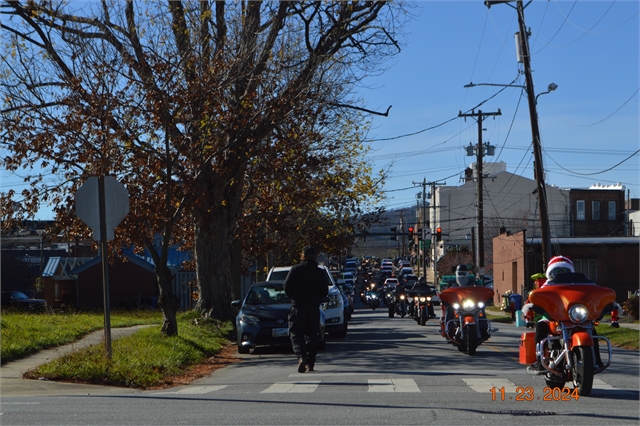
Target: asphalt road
{"type": "Point", "coordinates": [386, 371]}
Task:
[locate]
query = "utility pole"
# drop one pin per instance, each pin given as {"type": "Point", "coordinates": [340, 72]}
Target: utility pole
{"type": "Point", "coordinates": [426, 225]}
{"type": "Point", "coordinates": [525, 55]}
{"type": "Point", "coordinates": [479, 261]}
{"type": "Point", "coordinates": [402, 241]}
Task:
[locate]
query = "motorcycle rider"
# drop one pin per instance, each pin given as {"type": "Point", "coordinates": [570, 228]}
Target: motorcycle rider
{"type": "Point", "coordinates": [421, 286]}
{"type": "Point", "coordinates": [400, 290]}
{"type": "Point", "coordinates": [559, 269]}
{"type": "Point", "coordinates": [462, 280]}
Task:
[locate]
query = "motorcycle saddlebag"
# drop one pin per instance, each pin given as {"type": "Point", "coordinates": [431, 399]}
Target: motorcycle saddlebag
{"type": "Point", "coordinates": [528, 348]}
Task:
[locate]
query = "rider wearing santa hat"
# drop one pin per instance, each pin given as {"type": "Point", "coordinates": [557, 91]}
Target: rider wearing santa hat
{"type": "Point", "coordinates": [559, 265]}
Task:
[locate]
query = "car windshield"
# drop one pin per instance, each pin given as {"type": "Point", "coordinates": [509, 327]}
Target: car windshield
{"type": "Point", "coordinates": [264, 295]}
{"type": "Point", "coordinates": [16, 295]}
{"type": "Point", "coordinates": [278, 275]}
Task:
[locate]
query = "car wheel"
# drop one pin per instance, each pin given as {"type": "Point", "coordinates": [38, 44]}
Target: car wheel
{"type": "Point", "coordinates": [243, 349]}
{"type": "Point", "coordinates": [342, 334]}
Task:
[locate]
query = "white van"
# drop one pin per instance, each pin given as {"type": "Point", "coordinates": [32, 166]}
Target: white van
{"type": "Point", "coordinates": [334, 319]}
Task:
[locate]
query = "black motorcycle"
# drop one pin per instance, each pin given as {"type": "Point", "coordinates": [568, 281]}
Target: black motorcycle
{"type": "Point", "coordinates": [399, 306]}
{"type": "Point", "coordinates": [421, 308]}
{"type": "Point", "coordinates": [372, 299]}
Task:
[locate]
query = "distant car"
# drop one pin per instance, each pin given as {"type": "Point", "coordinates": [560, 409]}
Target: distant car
{"type": "Point", "coordinates": [391, 282]}
{"type": "Point", "coordinates": [410, 278]}
{"type": "Point", "coordinates": [263, 317]}
{"type": "Point", "coordinates": [405, 271]}
{"type": "Point", "coordinates": [20, 301]}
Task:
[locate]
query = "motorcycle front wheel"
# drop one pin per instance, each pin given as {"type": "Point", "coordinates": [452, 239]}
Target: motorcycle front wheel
{"type": "Point", "coordinates": [392, 311]}
{"type": "Point", "coordinates": [582, 369]}
{"type": "Point", "coordinates": [472, 339]}
{"type": "Point", "coordinates": [423, 316]}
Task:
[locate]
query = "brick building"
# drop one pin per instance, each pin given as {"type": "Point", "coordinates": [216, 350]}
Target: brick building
{"type": "Point", "coordinates": [610, 261]}
{"type": "Point", "coordinates": [597, 212]}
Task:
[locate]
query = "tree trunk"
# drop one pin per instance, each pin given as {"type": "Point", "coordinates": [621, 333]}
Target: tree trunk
{"type": "Point", "coordinates": [168, 301]}
{"type": "Point", "coordinates": [215, 216]}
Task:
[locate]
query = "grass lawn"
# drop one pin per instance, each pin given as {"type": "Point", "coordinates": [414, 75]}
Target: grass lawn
{"type": "Point", "coordinates": [145, 359]}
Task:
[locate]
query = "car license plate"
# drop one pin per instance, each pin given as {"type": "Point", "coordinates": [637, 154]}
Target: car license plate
{"type": "Point", "coordinates": [280, 332]}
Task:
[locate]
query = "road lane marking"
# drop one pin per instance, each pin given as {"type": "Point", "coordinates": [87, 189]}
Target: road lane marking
{"type": "Point", "coordinates": [599, 384]}
{"type": "Point", "coordinates": [485, 385]}
{"type": "Point", "coordinates": [194, 390]}
{"type": "Point", "coordinates": [393, 385]}
{"type": "Point", "coordinates": [292, 387]}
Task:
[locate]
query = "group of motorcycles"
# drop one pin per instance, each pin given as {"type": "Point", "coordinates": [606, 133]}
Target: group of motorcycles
{"type": "Point", "coordinates": [570, 352]}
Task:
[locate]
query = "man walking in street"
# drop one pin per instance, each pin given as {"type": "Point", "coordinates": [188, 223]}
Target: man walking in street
{"type": "Point", "coordinates": [306, 285]}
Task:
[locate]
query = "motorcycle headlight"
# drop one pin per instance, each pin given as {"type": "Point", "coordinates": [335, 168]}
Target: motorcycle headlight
{"type": "Point", "coordinates": [249, 319]}
{"type": "Point", "coordinates": [456, 306]}
{"type": "Point", "coordinates": [468, 304]}
{"type": "Point", "coordinates": [428, 298]}
{"type": "Point", "coordinates": [389, 295]}
{"type": "Point", "coordinates": [423, 299]}
{"type": "Point", "coordinates": [578, 313]}
{"type": "Point", "coordinates": [480, 305]}
{"type": "Point", "coordinates": [402, 297]}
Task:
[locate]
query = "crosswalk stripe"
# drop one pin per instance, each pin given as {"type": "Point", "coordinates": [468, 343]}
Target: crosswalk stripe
{"type": "Point", "coordinates": [485, 385]}
{"type": "Point", "coordinates": [194, 390]}
{"type": "Point", "coordinates": [393, 385]}
{"type": "Point", "coordinates": [599, 384]}
{"type": "Point", "coordinates": [292, 387]}
{"type": "Point", "coordinates": [480, 385]}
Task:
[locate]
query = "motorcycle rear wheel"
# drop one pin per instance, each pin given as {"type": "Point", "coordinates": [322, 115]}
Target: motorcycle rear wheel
{"type": "Point", "coordinates": [472, 339]}
{"type": "Point", "coordinates": [582, 369]}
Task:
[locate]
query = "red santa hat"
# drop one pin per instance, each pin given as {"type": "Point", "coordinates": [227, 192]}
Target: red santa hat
{"type": "Point", "coordinates": [558, 262]}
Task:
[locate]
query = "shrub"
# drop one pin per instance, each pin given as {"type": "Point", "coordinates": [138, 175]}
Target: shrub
{"type": "Point", "coordinates": [631, 307]}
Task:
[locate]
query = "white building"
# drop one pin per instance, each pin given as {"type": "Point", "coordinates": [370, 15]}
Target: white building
{"type": "Point", "coordinates": [509, 201]}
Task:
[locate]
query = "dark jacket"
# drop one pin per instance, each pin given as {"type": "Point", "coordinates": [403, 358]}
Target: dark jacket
{"type": "Point", "coordinates": [306, 284]}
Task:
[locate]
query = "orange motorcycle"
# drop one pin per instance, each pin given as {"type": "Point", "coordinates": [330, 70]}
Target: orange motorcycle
{"type": "Point", "coordinates": [464, 323]}
{"type": "Point", "coordinates": [571, 351]}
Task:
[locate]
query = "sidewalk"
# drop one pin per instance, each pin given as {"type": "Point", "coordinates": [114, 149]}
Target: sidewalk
{"type": "Point", "coordinates": [12, 383]}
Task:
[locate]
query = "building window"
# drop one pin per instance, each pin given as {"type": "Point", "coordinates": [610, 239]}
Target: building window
{"type": "Point", "coordinates": [595, 210]}
{"type": "Point", "coordinates": [612, 210]}
{"type": "Point", "coordinates": [580, 210]}
{"type": "Point", "coordinates": [588, 267]}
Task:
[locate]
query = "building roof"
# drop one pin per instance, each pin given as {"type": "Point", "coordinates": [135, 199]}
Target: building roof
{"type": "Point", "coordinates": [588, 240]}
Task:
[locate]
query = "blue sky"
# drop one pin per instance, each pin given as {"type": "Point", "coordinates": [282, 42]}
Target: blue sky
{"type": "Point", "coordinates": [588, 125]}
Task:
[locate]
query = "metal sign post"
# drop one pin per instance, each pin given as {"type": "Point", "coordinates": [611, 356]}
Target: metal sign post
{"type": "Point", "coordinates": [101, 203]}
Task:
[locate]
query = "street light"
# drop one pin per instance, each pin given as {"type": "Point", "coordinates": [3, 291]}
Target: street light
{"type": "Point", "coordinates": [550, 89]}
{"type": "Point", "coordinates": [492, 84]}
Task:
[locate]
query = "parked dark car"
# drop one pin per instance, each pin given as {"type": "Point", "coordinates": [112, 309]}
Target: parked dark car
{"type": "Point", "coordinates": [263, 317]}
{"type": "Point", "coordinates": [20, 301]}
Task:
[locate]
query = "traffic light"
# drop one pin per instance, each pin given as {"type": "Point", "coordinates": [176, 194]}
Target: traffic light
{"type": "Point", "coordinates": [420, 233]}
{"type": "Point", "coordinates": [411, 232]}
{"type": "Point", "coordinates": [438, 234]}
{"type": "Point", "coordinates": [394, 231]}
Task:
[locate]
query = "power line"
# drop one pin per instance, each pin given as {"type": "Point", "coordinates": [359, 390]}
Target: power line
{"type": "Point", "coordinates": [595, 173]}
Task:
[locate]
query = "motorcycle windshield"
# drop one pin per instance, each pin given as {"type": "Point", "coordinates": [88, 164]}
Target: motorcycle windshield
{"type": "Point", "coordinates": [556, 299]}
{"type": "Point", "coordinates": [458, 294]}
